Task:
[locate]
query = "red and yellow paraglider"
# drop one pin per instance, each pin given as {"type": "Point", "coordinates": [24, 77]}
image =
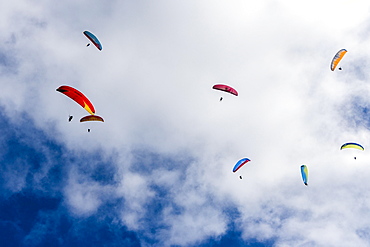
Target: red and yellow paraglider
{"type": "Point", "coordinates": [83, 101]}
{"type": "Point", "coordinates": [78, 97]}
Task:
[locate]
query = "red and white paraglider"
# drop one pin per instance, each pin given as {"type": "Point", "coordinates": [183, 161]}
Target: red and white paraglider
{"type": "Point", "coordinates": [225, 88]}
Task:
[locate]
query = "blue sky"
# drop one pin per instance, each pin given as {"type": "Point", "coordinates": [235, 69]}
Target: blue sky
{"type": "Point", "coordinates": [158, 171]}
{"type": "Point", "coordinates": [35, 214]}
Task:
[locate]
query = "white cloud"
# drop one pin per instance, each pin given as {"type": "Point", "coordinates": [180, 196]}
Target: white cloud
{"type": "Point", "coordinates": [152, 84]}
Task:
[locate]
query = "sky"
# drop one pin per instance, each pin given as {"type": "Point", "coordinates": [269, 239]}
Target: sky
{"type": "Point", "coordinates": [158, 171]}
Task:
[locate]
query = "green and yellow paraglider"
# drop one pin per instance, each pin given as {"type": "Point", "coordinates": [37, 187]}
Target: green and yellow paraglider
{"type": "Point", "coordinates": [352, 145]}
{"type": "Point", "coordinates": [304, 173]}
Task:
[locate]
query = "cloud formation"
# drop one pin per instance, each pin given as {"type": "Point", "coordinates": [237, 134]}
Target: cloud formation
{"type": "Point", "coordinates": [158, 171]}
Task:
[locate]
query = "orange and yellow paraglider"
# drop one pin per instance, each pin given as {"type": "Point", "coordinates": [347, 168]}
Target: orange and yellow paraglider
{"type": "Point", "coordinates": [337, 58]}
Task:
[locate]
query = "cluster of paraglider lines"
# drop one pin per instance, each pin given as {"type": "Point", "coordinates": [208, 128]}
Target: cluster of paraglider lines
{"type": "Point", "coordinates": [304, 169]}
{"type": "Point", "coordinates": [83, 101]}
{"type": "Point", "coordinates": [79, 97]}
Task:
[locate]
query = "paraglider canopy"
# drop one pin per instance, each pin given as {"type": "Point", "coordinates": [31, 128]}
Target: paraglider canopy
{"type": "Point", "coordinates": [78, 97]}
{"type": "Point", "coordinates": [240, 163]}
{"type": "Point", "coordinates": [225, 88]}
{"type": "Point", "coordinates": [93, 39]}
{"type": "Point", "coordinates": [91, 118]}
{"type": "Point", "coordinates": [352, 145]}
{"type": "Point", "coordinates": [337, 58]}
{"type": "Point", "coordinates": [304, 172]}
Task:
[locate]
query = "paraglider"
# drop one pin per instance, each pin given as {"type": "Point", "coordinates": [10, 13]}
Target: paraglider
{"type": "Point", "coordinates": [91, 118]}
{"type": "Point", "coordinates": [352, 145]}
{"type": "Point", "coordinates": [239, 165]}
{"type": "Point", "coordinates": [304, 172]}
{"type": "Point", "coordinates": [225, 88]}
{"type": "Point", "coordinates": [78, 97]}
{"type": "Point", "coordinates": [337, 58]}
{"type": "Point", "coordinates": [93, 39]}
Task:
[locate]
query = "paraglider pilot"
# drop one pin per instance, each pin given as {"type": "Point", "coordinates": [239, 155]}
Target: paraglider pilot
{"type": "Point", "coordinates": [221, 99]}
{"type": "Point", "coordinates": [88, 45]}
{"type": "Point", "coordinates": [70, 118]}
{"type": "Point", "coordinates": [88, 130]}
{"type": "Point", "coordinates": [240, 177]}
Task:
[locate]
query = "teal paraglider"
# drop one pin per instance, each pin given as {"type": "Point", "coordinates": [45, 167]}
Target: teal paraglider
{"type": "Point", "coordinates": [93, 39]}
